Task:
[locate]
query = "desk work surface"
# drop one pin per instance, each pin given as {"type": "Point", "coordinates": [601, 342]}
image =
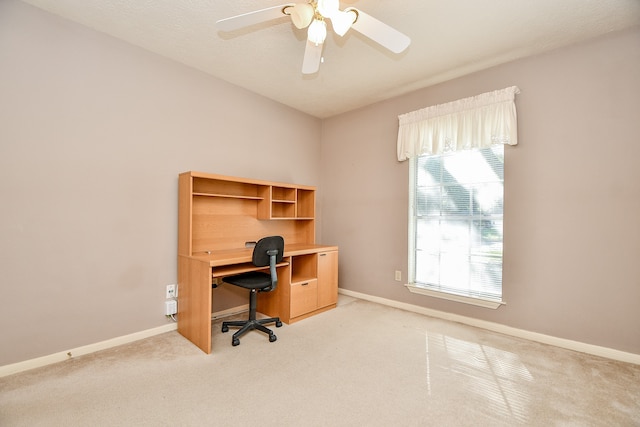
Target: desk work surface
{"type": "Point", "coordinates": [244, 255]}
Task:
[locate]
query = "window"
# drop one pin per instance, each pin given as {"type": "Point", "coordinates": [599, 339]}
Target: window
{"type": "Point", "coordinates": [456, 153]}
{"type": "Point", "coordinates": [456, 217]}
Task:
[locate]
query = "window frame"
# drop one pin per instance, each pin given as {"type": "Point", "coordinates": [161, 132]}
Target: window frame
{"type": "Point", "coordinates": [412, 286]}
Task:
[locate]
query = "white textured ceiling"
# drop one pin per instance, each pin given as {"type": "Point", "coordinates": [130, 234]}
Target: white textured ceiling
{"type": "Point", "coordinates": [450, 38]}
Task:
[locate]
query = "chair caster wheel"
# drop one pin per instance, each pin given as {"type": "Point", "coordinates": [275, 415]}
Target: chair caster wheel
{"type": "Point", "coordinates": [278, 324]}
{"type": "Point", "coordinates": [272, 337]}
{"type": "Point", "coordinates": [225, 328]}
{"type": "Point", "coordinates": [235, 342]}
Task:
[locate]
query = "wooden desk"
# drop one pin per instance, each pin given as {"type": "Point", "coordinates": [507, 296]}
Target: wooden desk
{"type": "Point", "coordinates": [307, 285]}
{"type": "Point", "coordinates": [217, 216]}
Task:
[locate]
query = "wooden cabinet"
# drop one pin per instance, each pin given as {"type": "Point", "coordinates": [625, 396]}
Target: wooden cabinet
{"type": "Point", "coordinates": [327, 278]}
{"type": "Point", "coordinates": [288, 203]}
{"type": "Point", "coordinates": [219, 217]}
{"type": "Point", "coordinates": [218, 212]}
{"type": "Point", "coordinates": [314, 284]}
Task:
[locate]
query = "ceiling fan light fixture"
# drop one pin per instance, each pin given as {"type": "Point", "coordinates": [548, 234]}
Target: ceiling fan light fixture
{"type": "Point", "coordinates": [317, 32]}
{"type": "Point", "coordinates": [301, 15]}
{"type": "Point", "coordinates": [342, 21]}
{"type": "Point", "coordinates": [307, 14]}
{"type": "Point", "coordinates": [328, 8]}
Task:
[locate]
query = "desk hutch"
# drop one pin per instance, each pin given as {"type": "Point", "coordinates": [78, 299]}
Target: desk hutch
{"type": "Point", "coordinates": [219, 217]}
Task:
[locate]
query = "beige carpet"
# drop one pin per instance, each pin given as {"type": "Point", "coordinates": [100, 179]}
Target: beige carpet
{"type": "Point", "coordinates": [362, 364]}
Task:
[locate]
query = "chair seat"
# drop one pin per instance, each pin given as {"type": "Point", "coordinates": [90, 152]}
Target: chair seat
{"type": "Point", "coordinates": [252, 280]}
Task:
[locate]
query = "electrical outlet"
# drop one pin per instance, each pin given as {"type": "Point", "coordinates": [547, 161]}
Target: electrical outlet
{"type": "Point", "coordinates": [170, 307]}
{"type": "Point", "coordinates": [398, 275]}
{"type": "Point", "coordinates": [171, 291]}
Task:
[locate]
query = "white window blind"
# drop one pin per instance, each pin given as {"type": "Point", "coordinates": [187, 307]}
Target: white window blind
{"type": "Point", "coordinates": [457, 215]}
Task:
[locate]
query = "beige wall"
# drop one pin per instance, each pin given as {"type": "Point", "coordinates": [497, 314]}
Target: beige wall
{"type": "Point", "coordinates": [93, 135]}
{"type": "Point", "coordinates": [572, 194]}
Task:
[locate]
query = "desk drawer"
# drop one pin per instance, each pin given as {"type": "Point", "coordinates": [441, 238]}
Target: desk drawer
{"type": "Point", "coordinates": [304, 297]}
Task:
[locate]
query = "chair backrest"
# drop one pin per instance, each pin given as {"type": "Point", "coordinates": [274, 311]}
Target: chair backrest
{"type": "Point", "coordinates": [260, 256]}
{"type": "Point", "coordinates": [268, 252]}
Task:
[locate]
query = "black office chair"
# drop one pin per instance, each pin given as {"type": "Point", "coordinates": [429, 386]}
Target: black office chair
{"type": "Point", "coordinates": [267, 252]}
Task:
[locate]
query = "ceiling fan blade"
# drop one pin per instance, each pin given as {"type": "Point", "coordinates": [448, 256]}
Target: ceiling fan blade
{"type": "Point", "coordinates": [312, 58]}
{"type": "Point", "coordinates": [379, 32]}
{"type": "Point", "coordinates": [252, 18]}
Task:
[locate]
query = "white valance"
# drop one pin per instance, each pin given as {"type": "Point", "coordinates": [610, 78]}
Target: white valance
{"type": "Point", "coordinates": [475, 122]}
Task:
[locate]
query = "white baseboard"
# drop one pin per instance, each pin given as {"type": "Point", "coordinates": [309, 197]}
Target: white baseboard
{"type": "Point", "coordinates": [503, 329]}
{"type": "Point", "coordinates": [79, 351]}
{"type": "Point", "coordinates": [103, 345]}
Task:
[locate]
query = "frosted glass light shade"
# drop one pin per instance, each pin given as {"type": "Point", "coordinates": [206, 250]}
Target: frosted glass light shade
{"type": "Point", "coordinates": [342, 21]}
{"type": "Point", "coordinates": [328, 7]}
{"type": "Point", "coordinates": [301, 15]}
{"type": "Point", "coordinates": [317, 32]}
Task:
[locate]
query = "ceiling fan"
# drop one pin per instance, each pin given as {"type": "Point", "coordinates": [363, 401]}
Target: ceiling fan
{"type": "Point", "coordinates": [313, 15]}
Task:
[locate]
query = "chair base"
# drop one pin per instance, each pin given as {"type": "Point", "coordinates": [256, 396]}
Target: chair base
{"type": "Point", "coordinates": [249, 325]}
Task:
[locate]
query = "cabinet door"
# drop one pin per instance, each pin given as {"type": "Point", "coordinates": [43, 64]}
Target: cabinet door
{"type": "Point", "coordinates": [304, 297]}
{"type": "Point", "coordinates": [327, 278]}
